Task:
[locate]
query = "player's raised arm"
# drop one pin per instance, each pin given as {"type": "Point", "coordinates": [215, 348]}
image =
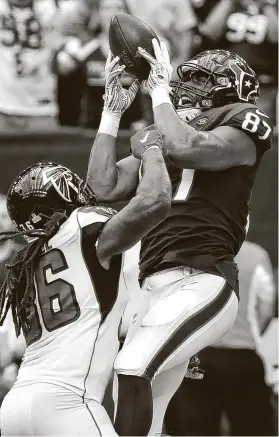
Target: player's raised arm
{"type": "Point", "coordinates": [109, 180]}
{"type": "Point", "coordinates": [224, 147]}
{"type": "Point", "coordinates": [148, 208]}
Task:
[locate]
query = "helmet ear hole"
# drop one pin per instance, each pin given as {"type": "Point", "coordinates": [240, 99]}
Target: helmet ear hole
{"type": "Point", "coordinates": [222, 80]}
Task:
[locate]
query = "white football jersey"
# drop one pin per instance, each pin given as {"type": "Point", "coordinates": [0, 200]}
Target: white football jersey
{"type": "Point", "coordinates": [27, 37]}
{"type": "Point", "coordinates": [77, 310]}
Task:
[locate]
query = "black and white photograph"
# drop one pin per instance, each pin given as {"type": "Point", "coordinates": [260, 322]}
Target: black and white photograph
{"type": "Point", "coordinates": [139, 218]}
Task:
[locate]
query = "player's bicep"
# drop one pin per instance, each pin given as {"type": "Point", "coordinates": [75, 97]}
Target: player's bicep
{"type": "Point", "coordinates": [222, 148]}
{"type": "Point", "coordinates": [236, 147]}
{"type": "Point", "coordinates": [244, 136]}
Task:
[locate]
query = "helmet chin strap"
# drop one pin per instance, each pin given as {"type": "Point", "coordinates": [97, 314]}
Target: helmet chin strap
{"type": "Point", "coordinates": [188, 114]}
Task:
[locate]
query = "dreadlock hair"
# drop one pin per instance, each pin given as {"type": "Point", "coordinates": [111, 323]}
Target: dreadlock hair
{"type": "Point", "coordinates": [18, 288]}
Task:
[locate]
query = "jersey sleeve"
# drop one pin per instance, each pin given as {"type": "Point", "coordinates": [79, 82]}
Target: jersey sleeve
{"type": "Point", "coordinates": [254, 122]}
{"type": "Point", "coordinates": [89, 215]}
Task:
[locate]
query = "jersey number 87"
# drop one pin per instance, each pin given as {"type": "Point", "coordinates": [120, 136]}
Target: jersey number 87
{"type": "Point", "coordinates": [253, 121]}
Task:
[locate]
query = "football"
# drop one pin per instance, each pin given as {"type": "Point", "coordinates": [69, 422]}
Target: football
{"type": "Point", "coordinates": [126, 34]}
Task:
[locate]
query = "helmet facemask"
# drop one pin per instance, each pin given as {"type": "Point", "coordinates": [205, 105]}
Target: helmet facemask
{"type": "Point", "coordinates": [199, 96]}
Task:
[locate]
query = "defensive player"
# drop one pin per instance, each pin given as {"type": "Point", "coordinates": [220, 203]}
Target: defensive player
{"type": "Point", "coordinates": [63, 291]}
{"type": "Point", "coordinates": [214, 137]}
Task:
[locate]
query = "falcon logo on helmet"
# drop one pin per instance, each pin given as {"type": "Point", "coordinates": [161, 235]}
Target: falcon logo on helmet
{"type": "Point", "coordinates": [245, 82]}
{"type": "Point", "coordinates": [60, 178]}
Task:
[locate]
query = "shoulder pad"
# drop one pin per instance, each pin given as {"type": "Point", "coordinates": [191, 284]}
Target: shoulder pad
{"type": "Point", "coordinates": [86, 215]}
{"type": "Point", "coordinates": [214, 117]}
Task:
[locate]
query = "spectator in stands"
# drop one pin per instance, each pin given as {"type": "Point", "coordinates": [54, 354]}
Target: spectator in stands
{"type": "Point", "coordinates": [73, 17]}
{"type": "Point", "coordinates": [13, 347]}
{"type": "Point", "coordinates": [8, 249]}
{"type": "Point", "coordinates": [27, 87]}
{"type": "Point", "coordinates": [173, 20]}
{"type": "Point", "coordinates": [11, 352]}
{"type": "Point", "coordinates": [250, 29]}
{"type": "Point", "coordinates": [203, 9]}
{"type": "Point", "coordinates": [93, 24]}
{"type": "Point", "coordinates": [68, 63]}
{"type": "Point", "coordinates": [30, 32]}
{"type": "Point", "coordinates": [234, 380]}
{"type": "Point", "coordinates": [84, 75]}
{"type": "Point", "coordinates": [95, 70]}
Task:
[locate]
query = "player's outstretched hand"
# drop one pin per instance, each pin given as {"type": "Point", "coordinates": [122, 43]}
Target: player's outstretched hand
{"type": "Point", "coordinates": [117, 99]}
{"type": "Point", "coordinates": [161, 68]}
{"type": "Point", "coordinates": [143, 140]}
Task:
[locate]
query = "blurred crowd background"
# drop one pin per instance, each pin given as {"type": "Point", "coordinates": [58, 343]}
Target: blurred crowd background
{"type": "Point", "coordinates": [52, 57]}
{"type": "Point", "coordinates": [53, 52]}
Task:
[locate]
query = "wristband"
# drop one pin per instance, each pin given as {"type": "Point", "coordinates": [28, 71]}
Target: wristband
{"type": "Point", "coordinates": [159, 96]}
{"type": "Point", "coordinates": [149, 148]}
{"type": "Point", "coordinates": [109, 124]}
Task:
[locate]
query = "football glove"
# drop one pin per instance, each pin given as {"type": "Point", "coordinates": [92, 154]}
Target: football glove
{"type": "Point", "coordinates": [117, 99]}
{"type": "Point", "coordinates": [161, 68]}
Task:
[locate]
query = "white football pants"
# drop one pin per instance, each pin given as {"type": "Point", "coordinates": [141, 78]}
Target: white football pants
{"type": "Point", "coordinates": [181, 311]}
{"type": "Point", "coordinates": [43, 409]}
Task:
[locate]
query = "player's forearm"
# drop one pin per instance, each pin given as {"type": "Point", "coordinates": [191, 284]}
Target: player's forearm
{"type": "Point", "coordinates": [102, 171]}
{"type": "Point", "coordinates": [147, 208]}
{"type": "Point", "coordinates": [155, 184]}
{"type": "Point", "coordinates": [151, 203]}
{"type": "Point", "coordinates": [183, 145]}
{"type": "Point", "coordinates": [176, 134]}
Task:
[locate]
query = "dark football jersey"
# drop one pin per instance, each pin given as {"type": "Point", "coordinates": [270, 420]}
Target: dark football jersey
{"type": "Point", "coordinates": [207, 222]}
{"type": "Point", "coordinates": [246, 35]}
{"type": "Point", "coordinates": [202, 8]}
